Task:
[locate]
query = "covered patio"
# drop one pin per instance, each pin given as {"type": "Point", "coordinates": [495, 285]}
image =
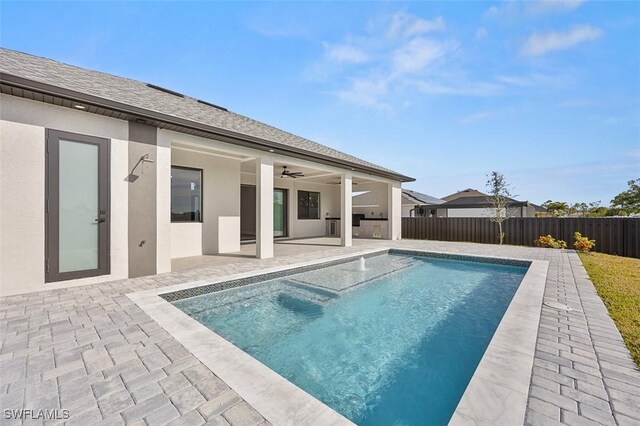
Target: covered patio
{"type": "Point", "coordinates": [281, 249]}
{"type": "Point", "coordinates": [241, 203]}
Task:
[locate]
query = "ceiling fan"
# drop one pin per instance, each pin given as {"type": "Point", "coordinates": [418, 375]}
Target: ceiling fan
{"type": "Point", "coordinates": [288, 173]}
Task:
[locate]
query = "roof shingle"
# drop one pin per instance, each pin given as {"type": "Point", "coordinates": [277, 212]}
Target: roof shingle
{"type": "Point", "coordinates": [140, 95]}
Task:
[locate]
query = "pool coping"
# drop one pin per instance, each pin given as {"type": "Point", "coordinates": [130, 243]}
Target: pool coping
{"type": "Point", "coordinates": [496, 394]}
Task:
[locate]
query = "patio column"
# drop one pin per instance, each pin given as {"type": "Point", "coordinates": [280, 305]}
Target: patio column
{"type": "Point", "coordinates": [264, 207]}
{"type": "Point", "coordinates": [345, 209]}
{"type": "Point", "coordinates": [395, 210]}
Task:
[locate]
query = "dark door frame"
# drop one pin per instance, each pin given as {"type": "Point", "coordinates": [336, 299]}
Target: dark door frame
{"type": "Point", "coordinates": [52, 206]}
{"type": "Point", "coordinates": [286, 212]}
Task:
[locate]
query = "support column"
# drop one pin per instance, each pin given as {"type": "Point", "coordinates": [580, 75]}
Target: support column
{"type": "Point", "coordinates": [346, 202]}
{"type": "Point", "coordinates": [395, 210]}
{"type": "Point", "coordinates": [264, 207]}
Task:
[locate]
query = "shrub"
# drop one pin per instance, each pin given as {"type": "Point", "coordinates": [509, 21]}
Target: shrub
{"type": "Point", "coordinates": [549, 242]}
{"type": "Point", "coordinates": [583, 244]}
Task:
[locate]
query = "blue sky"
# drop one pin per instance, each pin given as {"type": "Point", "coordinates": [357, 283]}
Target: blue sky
{"type": "Point", "coordinates": [547, 92]}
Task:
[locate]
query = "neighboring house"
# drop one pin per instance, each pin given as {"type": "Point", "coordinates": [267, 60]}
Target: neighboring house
{"type": "Point", "coordinates": [473, 203]}
{"type": "Point", "coordinates": [416, 204]}
{"type": "Point", "coordinates": [105, 178]}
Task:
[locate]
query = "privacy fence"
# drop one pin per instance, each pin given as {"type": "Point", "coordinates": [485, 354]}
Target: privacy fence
{"type": "Point", "coordinates": [620, 236]}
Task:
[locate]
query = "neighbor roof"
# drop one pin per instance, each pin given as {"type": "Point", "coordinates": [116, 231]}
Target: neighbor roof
{"type": "Point", "coordinates": [366, 199]}
{"type": "Point", "coordinates": [421, 198]}
{"type": "Point", "coordinates": [478, 201]}
{"type": "Point", "coordinates": [51, 81]}
{"type": "Point", "coordinates": [469, 192]}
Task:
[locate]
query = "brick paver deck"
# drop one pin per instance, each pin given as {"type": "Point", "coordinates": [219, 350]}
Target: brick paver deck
{"type": "Point", "coordinates": [91, 351]}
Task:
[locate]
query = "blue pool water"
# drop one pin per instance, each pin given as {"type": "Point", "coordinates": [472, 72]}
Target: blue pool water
{"type": "Point", "coordinates": [394, 345]}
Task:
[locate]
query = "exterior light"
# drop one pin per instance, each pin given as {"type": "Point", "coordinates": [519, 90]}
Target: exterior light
{"type": "Point", "coordinates": [272, 150]}
{"type": "Point", "coordinates": [79, 106]}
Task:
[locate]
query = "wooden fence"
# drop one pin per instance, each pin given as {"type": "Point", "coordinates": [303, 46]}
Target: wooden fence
{"type": "Point", "coordinates": [620, 236]}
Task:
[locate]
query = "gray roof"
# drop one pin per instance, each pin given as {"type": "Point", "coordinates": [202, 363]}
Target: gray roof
{"type": "Point", "coordinates": [366, 199]}
{"type": "Point", "coordinates": [478, 201]}
{"type": "Point", "coordinates": [427, 200]}
{"type": "Point", "coordinates": [139, 95]}
{"type": "Point", "coordinates": [469, 192]}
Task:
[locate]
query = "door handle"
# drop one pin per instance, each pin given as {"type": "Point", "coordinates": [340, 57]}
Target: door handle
{"type": "Point", "coordinates": [101, 219]}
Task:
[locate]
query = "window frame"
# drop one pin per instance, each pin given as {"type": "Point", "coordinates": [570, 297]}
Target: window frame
{"type": "Point", "coordinates": [319, 205]}
{"type": "Point", "coordinates": [193, 169]}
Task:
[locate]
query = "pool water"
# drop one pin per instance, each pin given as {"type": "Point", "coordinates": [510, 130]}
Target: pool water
{"type": "Point", "coordinates": [393, 345]}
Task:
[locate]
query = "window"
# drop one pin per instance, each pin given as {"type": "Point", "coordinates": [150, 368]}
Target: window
{"type": "Point", "coordinates": [308, 205]}
{"type": "Point", "coordinates": [186, 194]}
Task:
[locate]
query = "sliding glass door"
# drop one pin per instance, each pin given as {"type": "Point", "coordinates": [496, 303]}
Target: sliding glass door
{"type": "Point", "coordinates": [279, 212]}
{"type": "Point", "coordinates": [248, 212]}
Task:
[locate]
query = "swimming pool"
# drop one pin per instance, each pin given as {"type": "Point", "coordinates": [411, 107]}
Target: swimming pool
{"type": "Point", "coordinates": [394, 344]}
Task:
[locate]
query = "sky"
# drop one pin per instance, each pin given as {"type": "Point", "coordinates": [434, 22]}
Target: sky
{"type": "Point", "coordinates": [545, 92]}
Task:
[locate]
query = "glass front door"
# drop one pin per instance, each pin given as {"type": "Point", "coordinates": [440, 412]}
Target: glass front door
{"type": "Point", "coordinates": [77, 206]}
{"type": "Point", "coordinates": [279, 212]}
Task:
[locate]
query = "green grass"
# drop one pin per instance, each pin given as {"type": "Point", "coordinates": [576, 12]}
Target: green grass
{"type": "Point", "coordinates": [617, 280]}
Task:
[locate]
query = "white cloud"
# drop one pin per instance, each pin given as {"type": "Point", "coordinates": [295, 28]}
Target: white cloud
{"type": "Point", "coordinates": [522, 9]}
{"type": "Point", "coordinates": [404, 25]}
{"type": "Point", "coordinates": [366, 91]}
{"type": "Point", "coordinates": [544, 6]}
{"type": "Point", "coordinates": [479, 116]}
{"type": "Point", "coordinates": [634, 153]}
{"type": "Point", "coordinates": [395, 62]}
{"type": "Point", "coordinates": [541, 43]}
{"type": "Point", "coordinates": [481, 33]}
{"type": "Point", "coordinates": [458, 88]}
{"type": "Point", "coordinates": [417, 54]}
{"type": "Point", "coordinates": [345, 54]}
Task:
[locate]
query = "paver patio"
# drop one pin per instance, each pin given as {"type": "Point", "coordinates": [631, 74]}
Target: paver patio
{"type": "Point", "coordinates": [90, 350]}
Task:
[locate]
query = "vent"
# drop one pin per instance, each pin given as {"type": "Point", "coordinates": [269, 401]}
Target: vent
{"type": "Point", "coordinates": [162, 89]}
{"type": "Point", "coordinates": [212, 105]}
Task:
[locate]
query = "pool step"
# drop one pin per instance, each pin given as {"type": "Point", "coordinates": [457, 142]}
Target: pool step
{"type": "Point", "coordinates": [347, 276]}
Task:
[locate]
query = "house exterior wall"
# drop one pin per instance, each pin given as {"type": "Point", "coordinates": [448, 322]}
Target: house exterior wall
{"type": "Point", "coordinates": [142, 200]}
{"type": "Point", "coordinates": [406, 209]}
{"type": "Point", "coordinates": [477, 212]}
{"type": "Point", "coordinates": [219, 231]}
{"type": "Point", "coordinates": [22, 190]}
{"type": "Point", "coordinates": [23, 125]}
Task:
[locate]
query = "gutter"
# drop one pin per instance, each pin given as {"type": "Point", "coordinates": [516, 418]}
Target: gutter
{"type": "Point", "coordinates": [234, 137]}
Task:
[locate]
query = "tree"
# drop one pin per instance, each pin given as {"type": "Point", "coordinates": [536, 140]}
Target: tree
{"type": "Point", "coordinates": [556, 208]}
{"type": "Point", "coordinates": [499, 198]}
{"type": "Point", "coordinates": [629, 200]}
{"type": "Point", "coordinates": [580, 208]}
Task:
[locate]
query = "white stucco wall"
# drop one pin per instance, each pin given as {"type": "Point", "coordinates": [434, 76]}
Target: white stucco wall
{"type": "Point", "coordinates": [471, 212]}
{"type": "Point", "coordinates": [186, 240]}
{"type": "Point", "coordinates": [164, 249]}
{"type": "Point", "coordinates": [406, 209]}
{"type": "Point", "coordinates": [22, 182]}
{"type": "Point", "coordinates": [221, 199]}
{"type": "Point", "coordinates": [381, 196]}
{"type": "Point", "coordinates": [395, 210]}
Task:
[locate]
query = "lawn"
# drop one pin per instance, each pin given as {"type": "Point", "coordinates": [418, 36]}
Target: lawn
{"type": "Point", "coordinates": [617, 280]}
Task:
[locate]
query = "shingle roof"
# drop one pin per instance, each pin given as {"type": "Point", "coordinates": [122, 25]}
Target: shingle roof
{"type": "Point", "coordinates": [476, 201]}
{"type": "Point", "coordinates": [138, 94]}
{"type": "Point", "coordinates": [366, 199]}
{"type": "Point", "coordinates": [422, 198]}
{"type": "Point", "coordinates": [469, 192]}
